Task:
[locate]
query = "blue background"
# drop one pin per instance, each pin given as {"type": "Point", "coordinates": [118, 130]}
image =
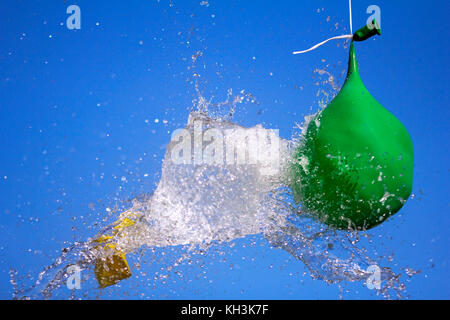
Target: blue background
{"type": "Point", "coordinates": [74, 138]}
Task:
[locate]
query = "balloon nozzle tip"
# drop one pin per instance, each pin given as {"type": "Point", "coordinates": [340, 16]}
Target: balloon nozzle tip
{"type": "Point", "coordinates": [368, 31]}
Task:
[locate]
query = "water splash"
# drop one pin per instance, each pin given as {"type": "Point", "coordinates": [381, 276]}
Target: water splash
{"type": "Point", "coordinates": [198, 206]}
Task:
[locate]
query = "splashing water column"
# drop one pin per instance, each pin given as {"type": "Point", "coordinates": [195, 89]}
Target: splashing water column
{"type": "Point", "coordinates": [354, 168]}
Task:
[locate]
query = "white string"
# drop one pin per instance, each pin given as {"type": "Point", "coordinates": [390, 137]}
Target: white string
{"type": "Point", "coordinates": [346, 36]}
{"type": "Point", "coordinates": [351, 20]}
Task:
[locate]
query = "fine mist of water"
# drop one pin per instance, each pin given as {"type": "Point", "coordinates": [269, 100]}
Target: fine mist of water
{"type": "Point", "coordinates": [198, 205]}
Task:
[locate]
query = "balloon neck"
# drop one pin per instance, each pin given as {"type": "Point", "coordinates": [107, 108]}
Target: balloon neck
{"type": "Point", "coordinates": [369, 30]}
{"type": "Point", "coordinates": [352, 63]}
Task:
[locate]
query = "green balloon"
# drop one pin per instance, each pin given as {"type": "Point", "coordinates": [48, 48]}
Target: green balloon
{"type": "Point", "coordinates": [354, 168]}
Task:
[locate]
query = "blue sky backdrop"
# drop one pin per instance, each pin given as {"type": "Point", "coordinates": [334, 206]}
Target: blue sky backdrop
{"type": "Point", "coordinates": [78, 131]}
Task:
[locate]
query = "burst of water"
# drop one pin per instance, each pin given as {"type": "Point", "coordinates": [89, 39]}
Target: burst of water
{"type": "Point", "coordinates": [199, 205]}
